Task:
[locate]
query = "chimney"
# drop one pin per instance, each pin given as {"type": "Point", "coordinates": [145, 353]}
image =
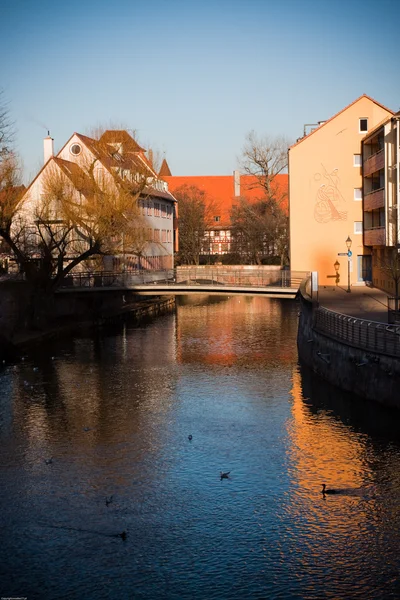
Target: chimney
{"type": "Point", "coordinates": [48, 147]}
{"type": "Point", "coordinates": [236, 181]}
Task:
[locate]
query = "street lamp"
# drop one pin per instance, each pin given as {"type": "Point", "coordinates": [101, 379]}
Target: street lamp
{"type": "Point", "coordinates": [336, 265]}
{"type": "Point", "coordinates": [349, 255]}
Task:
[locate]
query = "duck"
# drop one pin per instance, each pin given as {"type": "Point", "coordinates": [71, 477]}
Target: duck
{"type": "Point", "coordinates": [224, 475]}
{"type": "Point", "coordinates": [109, 500]}
{"type": "Point", "coordinates": [327, 491]}
{"type": "Point", "coordinates": [190, 437]}
{"type": "Point", "coordinates": [49, 461]}
{"type": "Point", "coordinates": [123, 535]}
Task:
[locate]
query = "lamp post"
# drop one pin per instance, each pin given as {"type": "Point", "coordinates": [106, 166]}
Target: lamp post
{"type": "Point", "coordinates": [336, 265]}
{"type": "Point", "coordinates": [349, 255]}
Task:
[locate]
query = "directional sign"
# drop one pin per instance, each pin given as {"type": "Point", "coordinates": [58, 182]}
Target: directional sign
{"type": "Point", "coordinates": [342, 254]}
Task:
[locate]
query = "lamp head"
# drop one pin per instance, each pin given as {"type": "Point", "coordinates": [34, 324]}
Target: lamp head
{"type": "Point", "coordinates": [336, 264]}
{"type": "Point", "coordinates": [348, 242]}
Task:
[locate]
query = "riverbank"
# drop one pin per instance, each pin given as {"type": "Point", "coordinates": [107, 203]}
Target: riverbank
{"type": "Point", "coordinates": [139, 309]}
{"type": "Point", "coordinates": [346, 339]}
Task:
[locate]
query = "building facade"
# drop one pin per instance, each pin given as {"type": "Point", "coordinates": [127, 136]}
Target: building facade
{"type": "Point", "coordinates": [114, 157]}
{"type": "Point", "coordinates": [380, 170]}
{"type": "Point", "coordinates": [326, 195]}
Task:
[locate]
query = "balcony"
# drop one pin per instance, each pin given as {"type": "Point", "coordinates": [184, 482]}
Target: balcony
{"type": "Point", "coordinates": [375, 199]}
{"type": "Point", "coordinates": [374, 163]}
{"type": "Point", "coordinates": [374, 237]}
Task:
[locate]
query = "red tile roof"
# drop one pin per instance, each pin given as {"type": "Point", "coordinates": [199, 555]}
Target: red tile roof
{"type": "Point", "coordinates": [220, 189]}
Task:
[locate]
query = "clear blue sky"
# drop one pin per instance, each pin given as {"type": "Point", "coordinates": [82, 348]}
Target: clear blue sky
{"type": "Point", "coordinates": [192, 77]}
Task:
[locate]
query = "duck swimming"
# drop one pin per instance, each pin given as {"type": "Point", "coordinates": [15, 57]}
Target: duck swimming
{"type": "Point", "coordinates": [224, 475]}
{"type": "Point", "coordinates": [190, 437]}
{"type": "Point", "coordinates": [327, 491]}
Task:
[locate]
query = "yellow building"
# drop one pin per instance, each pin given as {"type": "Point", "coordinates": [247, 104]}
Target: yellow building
{"type": "Point", "coordinates": [381, 188]}
{"type": "Point", "coordinates": [325, 195]}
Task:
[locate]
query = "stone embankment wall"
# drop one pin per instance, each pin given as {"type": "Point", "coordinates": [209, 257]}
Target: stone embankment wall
{"type": "Point", "coordinates": [14, 306]}
{"type": "Point", "coordinates": [370, 375]}
{"type": "Point", "coordinates": [69, 311]}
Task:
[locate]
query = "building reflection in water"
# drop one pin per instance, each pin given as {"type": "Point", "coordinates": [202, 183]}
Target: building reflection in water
{"type": "Point", "coordinates": [98, 392]}
{"type": "Point", "coordinates": [220, 320]}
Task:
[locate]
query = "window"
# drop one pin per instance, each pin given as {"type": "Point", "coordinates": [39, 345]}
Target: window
{"type": "Point", "coordinates": [357, 160]}
{"type": "Point", "coordinates": [156, 209]}
{"type": "Point", "coordinates": [358, 227]}
{"type": "Point", "coordinates": [363, 125]}
{"type": "Point", "coordinates": [163, 235]}
{"type": "Point", "coordinates": [149, 209]}
{"type": "Point", "coordinates": [357, 194]}
{"type": "Point", "coordinates": [217, 219]}
{"type": "Point", "coordinates": [163, 211]}
{"type": "Point", "coordinates": [149, 234]}
{"type": "Point", "coordinates": [75, 149]}
{"type": "Point", "coordinates": [156, 235]}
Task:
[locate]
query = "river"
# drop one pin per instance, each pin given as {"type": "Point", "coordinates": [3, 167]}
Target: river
{"type": "Point", "coordinates": [94, 442]}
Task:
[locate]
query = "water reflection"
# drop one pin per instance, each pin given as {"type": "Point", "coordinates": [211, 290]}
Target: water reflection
{"type": "Point", "coordinates": [114, 411]}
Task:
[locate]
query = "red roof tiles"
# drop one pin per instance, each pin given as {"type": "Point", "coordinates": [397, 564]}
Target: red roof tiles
{"type": "Point", "coordinates": [220, 189]}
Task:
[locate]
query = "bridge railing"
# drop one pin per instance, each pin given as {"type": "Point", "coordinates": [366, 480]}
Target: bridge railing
{"type": "Point", "coordinates": [118, 278]}
{"type": "Point", "coordinates": [361, 333]}
{"type": "Point", "coordinates": [189, 277]}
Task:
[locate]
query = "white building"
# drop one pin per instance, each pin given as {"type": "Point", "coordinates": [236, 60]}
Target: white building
{"type": "Point", "coordinates": [115, 156]}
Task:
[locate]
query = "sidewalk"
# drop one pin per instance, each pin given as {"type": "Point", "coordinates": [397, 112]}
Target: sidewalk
{"type": "Point", "coordinates": [362, 302]}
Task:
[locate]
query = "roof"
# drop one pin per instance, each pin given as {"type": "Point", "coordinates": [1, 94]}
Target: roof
{"type": "Point", "coordinates": [132, 158]}
{"type": "Point", "coordinates": [164, 170]}
{"type": "Point", "coordinates": [220, 190]}
{"type": "Point", "coordinates": [306, 137]}
{"type": "Point", "coordinates": [121, 136]}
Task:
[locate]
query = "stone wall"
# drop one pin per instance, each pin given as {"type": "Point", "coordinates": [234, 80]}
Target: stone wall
{"type": "Point", "coordinates": [370, 375]}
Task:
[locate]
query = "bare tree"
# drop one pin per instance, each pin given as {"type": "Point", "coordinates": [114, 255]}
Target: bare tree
{"type": "Point", "coordinates": [262, 228]}
{"type": "Point", "coordinates": [258, 231]}
{"type": "Point", "coordinates": [195, 217]}
{"type": "Point", "coordinates": [7, 129]}
{"type": "Point", "coordinates": [265, 157]}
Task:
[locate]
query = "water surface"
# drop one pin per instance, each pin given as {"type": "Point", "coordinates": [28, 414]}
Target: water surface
{"type": "Point", "coordinates": [114, 410]}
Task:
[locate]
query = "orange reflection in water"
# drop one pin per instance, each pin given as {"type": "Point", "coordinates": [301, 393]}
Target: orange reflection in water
{"type": "Point", "coordinates": [320, 443]}
{"type": "Point", "coordinates": [219, 320]}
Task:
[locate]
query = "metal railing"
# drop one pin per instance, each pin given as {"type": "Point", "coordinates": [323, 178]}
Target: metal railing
{"type": "Point", "coordinates": [371, 336]}
{"type": "Point", "coordinates": [189, 277]}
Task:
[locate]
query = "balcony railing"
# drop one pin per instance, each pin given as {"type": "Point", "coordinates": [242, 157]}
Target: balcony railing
{"type": "Point", "coordinates": [374, 163]}
{"type": "Point", "coordinates": [375, 199]}
{"type": "Point", "coordinates": [374, 237]}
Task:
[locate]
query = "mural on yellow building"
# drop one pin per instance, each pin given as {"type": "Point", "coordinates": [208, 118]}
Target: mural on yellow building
{"type": "Point", "coordinates": [330, 203]}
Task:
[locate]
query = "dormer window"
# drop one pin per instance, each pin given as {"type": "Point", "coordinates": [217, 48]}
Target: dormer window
{"type": "Point", "coordinates": [75, 149]}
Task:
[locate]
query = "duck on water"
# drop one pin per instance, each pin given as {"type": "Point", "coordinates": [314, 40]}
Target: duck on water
{"type": "Point", "coordinates": [326, 490]}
